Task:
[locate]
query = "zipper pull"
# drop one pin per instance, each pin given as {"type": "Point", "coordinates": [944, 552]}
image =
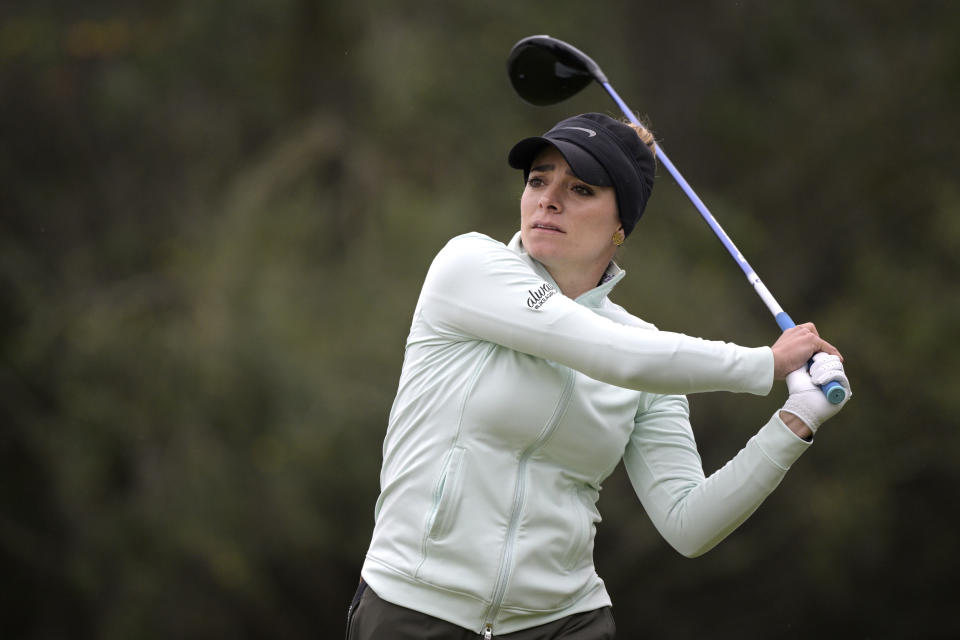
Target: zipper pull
{"type": "Point", "coordinates": [488, 632]}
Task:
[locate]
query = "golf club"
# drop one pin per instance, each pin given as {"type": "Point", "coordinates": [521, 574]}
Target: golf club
{"type": "Point", "coordinates": [545, 71]}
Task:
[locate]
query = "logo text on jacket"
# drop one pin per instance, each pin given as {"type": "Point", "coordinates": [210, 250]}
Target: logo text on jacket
{"type": "Point", "coordinates": [541, 295]}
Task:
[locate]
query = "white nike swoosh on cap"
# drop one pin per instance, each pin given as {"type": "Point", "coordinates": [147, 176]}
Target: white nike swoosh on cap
{"type": "Point", "coordinates": [590, 132]}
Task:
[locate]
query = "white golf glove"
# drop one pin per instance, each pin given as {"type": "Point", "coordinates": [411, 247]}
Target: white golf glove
{"type": "Point", "coordinates": [806, 400]}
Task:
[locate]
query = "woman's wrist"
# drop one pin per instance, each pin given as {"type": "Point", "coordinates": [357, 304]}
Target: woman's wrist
{"type": "Point", "coordinates": [798, 426]}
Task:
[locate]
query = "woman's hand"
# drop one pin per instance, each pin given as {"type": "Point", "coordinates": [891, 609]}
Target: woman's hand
{"type": "Point", "coordinates": [807, 407]}
{"type": "Point", "coordinates": [796, 346]}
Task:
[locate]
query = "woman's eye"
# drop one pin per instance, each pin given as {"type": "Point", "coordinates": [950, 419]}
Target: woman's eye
{"type": "Point", "coordinates": [583, 190]}
{"type": "Point", "coordinates": [535, 181]}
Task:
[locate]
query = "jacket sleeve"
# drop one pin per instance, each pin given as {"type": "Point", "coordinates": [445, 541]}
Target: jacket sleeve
{"type": "Point", "coordinates": [691, 512]}
{"type": "Point", "coordinates": [477, 288]}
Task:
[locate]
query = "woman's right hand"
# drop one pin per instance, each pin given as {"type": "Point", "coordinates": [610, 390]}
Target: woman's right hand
{"type": "Point", "coordinates": [796, 346]}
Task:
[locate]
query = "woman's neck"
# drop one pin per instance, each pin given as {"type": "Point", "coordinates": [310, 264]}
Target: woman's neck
{"type": "Point", "coordinates": [574, 282]}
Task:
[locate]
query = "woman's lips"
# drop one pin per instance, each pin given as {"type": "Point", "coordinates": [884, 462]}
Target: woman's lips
{"type": "Point", "coordinates": [538, 226]}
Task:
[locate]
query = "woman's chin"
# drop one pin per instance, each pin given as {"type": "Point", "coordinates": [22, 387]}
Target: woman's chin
{"type": "Point", "coordinates": [544, 249]}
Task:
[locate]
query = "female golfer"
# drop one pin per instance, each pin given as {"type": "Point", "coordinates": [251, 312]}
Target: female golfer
{"type": "Point", "coordinates": [523, 387]}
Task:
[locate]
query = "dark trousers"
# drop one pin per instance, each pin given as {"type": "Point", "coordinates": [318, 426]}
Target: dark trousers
{"type": "Point", "coordinates": [372, 618]}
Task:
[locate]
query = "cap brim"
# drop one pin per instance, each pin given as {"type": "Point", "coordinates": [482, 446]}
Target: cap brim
{"type": "Point", "coordinates": [581, 162]}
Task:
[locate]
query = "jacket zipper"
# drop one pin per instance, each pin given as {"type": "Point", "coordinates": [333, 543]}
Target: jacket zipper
{"type": "Point", "coordinates": [519, 494]}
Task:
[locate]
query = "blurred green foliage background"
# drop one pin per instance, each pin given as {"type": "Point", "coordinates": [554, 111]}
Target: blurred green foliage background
{"type": "Point", "coordinates": [214, 221]}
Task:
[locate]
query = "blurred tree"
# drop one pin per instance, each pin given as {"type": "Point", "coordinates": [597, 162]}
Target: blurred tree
{"type": "Point", "coordinates": [214, 222]}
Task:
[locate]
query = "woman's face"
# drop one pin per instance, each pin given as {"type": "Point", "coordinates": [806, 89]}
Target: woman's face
{"type": "Point", "coordinates": [565, 222]}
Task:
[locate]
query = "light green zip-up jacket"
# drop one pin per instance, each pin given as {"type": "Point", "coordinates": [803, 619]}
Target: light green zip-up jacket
{"type": "Point", "coordinates": [514, 404]}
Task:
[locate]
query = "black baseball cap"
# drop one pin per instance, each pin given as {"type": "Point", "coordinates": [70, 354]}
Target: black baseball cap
{"type": "Point", "coordinates": [601, 151]}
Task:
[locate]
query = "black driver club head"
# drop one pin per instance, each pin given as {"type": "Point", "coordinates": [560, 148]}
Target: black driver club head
{"type": "Point", "coordinates": [545, 71]}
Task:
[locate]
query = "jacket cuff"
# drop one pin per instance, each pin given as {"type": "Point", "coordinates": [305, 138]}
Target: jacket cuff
{"type": "Point", "coordinates": [767, 364]}
{"type": "Point", "coordinates": [779, 444]}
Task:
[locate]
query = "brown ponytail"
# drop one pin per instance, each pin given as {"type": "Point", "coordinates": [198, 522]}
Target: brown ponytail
{"type": "Point", "coordinates": [645, 135]}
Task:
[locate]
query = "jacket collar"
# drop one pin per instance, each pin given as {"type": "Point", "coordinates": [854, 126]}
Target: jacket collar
{"type": "Point", "coordinates": [592, 298]}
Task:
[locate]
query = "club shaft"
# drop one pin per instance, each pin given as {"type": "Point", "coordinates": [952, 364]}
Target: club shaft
{"type": "Point", "coordinates": [834, 391]}
{"type": "Point", "coordinates": [731, 248]}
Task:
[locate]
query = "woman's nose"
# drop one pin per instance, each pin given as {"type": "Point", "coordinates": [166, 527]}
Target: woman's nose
{"type": "Point", "coordinates": [549, 199]}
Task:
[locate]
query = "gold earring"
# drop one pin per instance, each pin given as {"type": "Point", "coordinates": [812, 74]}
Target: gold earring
{"type": "Point", "coordinates": [619, 237]}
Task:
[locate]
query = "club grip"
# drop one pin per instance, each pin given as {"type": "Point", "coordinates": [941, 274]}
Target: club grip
{"type": "Point", "coordinates": [833, 390]}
